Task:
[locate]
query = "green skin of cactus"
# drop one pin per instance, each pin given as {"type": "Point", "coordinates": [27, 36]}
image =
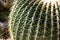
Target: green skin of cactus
{"type": "Point", "coordinates": [32, 20]}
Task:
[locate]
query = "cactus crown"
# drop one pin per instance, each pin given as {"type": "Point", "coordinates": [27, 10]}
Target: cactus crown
{"type": "Point", "coordinates": [34, 20]}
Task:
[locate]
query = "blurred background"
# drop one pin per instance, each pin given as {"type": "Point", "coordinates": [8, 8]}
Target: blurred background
{"type": "Point", "coordinates": [4, 32]}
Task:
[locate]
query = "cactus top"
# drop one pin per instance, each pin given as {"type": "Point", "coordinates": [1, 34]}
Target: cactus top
{"type": "Point", "coordinates": [51, 1]}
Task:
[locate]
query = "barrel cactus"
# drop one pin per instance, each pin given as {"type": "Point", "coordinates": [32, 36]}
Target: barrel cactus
{"type": "Point", "coordinates": [35, 20]}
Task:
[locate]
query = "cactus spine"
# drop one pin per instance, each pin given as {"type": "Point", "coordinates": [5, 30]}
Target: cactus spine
{"type": "Point", "coordinates": [34, 20]}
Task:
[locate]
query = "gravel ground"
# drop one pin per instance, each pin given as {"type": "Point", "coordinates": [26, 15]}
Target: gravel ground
{"type": "Point", "coordinates": [7, 39]}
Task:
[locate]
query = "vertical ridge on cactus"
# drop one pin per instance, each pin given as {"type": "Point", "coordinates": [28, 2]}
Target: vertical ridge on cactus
{"type": "Point", "coordinates": [35, 20]}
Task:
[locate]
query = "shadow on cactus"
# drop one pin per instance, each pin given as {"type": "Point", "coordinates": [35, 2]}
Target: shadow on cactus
{"type": "Point", "coordinates": [35, 20]}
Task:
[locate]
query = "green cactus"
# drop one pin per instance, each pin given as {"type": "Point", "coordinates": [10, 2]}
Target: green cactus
{"type": "Point", "coordinates": [34, 20]}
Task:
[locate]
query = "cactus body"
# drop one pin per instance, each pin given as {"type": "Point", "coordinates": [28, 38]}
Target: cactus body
{"type": "Point", "coordinates": [34, 20]}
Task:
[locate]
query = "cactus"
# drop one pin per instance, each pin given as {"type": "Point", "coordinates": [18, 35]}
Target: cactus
{"type": "Point", "coordinates": [34, 20]}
